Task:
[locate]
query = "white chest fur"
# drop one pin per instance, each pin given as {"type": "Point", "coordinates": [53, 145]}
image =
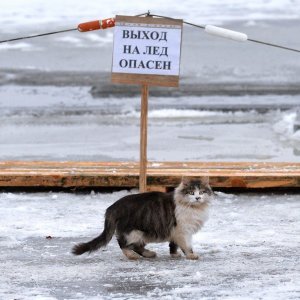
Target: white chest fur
{"type": "Point", "coordinates": [189, 219]}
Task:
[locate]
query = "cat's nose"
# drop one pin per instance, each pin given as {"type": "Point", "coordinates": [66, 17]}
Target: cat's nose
{"type": "Point", "coordinates": [197, 198]}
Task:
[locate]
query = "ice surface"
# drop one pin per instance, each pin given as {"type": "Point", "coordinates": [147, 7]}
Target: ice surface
{"type": "Point", "coordinates": [21, 46]}
{"type": "Point", "coordinates": [15, 13]}
{"type": "Point", "coordinates": [249, 250]}
{"type": "Point", "coordinates": [66, 123]}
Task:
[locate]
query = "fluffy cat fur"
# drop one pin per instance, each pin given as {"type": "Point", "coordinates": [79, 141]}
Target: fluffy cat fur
{"type": "Point", "coordinates": [155, 217]}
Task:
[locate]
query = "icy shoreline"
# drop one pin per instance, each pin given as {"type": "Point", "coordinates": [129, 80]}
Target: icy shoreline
{"type": "Point", "coordinates": [101, 87]}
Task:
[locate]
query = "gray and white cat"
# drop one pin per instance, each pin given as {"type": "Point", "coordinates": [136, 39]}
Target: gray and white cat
{"type": "Point", "coordinates": [155, 217]}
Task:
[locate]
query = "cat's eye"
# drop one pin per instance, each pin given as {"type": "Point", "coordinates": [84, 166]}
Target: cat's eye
{"type": "Point", "coordinates": [191, 193]}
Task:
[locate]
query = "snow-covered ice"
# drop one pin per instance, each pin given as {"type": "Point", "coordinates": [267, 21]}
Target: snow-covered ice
{"type": "Point", "coordinates": [249, 250]}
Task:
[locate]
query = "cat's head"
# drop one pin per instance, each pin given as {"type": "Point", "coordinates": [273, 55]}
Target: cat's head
{"type": "Point", "coordinates": [194, 191]}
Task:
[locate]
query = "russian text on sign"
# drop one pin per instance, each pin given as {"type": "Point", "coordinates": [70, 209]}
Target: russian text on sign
{"type": "Point", "coordinates": [143, 34]}
{"type": "Point", "coordinates": [146, 46]}
{"type": "Point", "coordinates": [150, 64]}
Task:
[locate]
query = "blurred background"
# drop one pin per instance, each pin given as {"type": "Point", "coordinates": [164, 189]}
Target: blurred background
{"type": "Point", "coordinates": [236, 101]}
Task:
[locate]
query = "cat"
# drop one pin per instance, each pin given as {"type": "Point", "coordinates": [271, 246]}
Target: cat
{"type": "Point", "coordinates": [154, 217]}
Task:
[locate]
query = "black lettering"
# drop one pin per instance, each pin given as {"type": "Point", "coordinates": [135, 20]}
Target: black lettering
{"type": "Point", "coordinates": [123, 63]}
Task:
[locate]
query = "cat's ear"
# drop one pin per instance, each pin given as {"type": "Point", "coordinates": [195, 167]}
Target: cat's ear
{"type": "Point", "coordinates": [185, 181]}
{"type": "Point", "coordinates": [205, 180]}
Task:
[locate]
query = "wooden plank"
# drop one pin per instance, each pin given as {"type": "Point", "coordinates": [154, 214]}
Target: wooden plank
{"type": "Point", "coordinates": [152, 80]}
{"type": "Point", "coordinates": [248, 167]}
{"type": "Point", "coordinates": [148, 20]}
{"type": "Point", "coordinates": [107, 167]}
{"type": "Point", "coordinates": [243, 175]}
{"type": "Point", "coordinates": [154, 165]}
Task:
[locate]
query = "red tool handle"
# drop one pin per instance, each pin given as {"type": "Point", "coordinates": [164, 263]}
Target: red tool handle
{"type": "Point", "coordinates": [95, 25]}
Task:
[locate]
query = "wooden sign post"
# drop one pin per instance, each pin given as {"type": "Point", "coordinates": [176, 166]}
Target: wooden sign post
{"type": "Point", "coordinates": [146, 52]}
{"type": "Point", "coordinates": [143, 138]}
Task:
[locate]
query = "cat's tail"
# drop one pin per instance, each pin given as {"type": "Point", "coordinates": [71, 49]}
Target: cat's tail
{"type": "Point", "coordinates": [102, 240]}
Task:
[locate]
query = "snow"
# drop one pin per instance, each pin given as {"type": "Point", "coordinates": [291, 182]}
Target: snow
{"type": "Point", "coordinates": [248, 248]}
{"type": "Point", "coordinates": [180, 113]}
{"type": "Point", "coordinates": [286, 124]}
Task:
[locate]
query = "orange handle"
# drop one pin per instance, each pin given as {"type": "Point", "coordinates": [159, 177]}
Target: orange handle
{"type": "Point", "coordinates": [95, 25]}
{"type": "Point", "coordinates": [107, 23]}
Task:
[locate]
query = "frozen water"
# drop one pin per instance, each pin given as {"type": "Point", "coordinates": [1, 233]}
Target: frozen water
{"type": "Point", "coordinates": [15, 14]}
{"type": "Point", "coordinates": [66, 123]}
{"type": "Point", "coordinates": [21, 46]}
{"type": "Point", "coordinates": [249, 250]}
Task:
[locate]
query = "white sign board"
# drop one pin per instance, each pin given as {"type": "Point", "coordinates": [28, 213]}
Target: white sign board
{"type": "Point", "coordinates": [147, 46]}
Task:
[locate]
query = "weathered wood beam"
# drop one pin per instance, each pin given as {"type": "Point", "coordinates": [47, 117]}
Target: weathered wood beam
{"type": "Point", "coordinates": [242, 175]}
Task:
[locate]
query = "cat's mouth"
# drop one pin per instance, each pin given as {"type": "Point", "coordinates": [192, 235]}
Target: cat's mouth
{"type": "Point", "coordinates": [202, 200]}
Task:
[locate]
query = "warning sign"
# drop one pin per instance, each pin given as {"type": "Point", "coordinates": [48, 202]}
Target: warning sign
{"type": "Point", "coordinates": [147, 50]}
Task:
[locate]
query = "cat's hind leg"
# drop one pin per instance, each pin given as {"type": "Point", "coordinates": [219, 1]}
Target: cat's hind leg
{"type": "Point", "coordinates": [133, 245]}
{"type": "Point", "coordinates": [130, 254]}
{"type": "Point", "coordinates": [136, 242]}
{"type": "Point", "coordinates": [140, 249]}
{"type": "Point", "coordinates": [127, 249]}
{"type": "Point", "coordinates": [149, 254]}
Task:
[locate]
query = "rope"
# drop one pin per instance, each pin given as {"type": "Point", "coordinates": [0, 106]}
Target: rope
{"type": "Point", "coordinates": [150, 15]}
{"type": "Point", "coordinates": [250, 40]}
{"type": "Point", "coordinates": [37, 35]}
{"type": "Point", "coordinates": [274, 45]}
{"type": "Point", "coordinates": [49, 33]}
{"type": "Point", "coordinates": [185, 22]}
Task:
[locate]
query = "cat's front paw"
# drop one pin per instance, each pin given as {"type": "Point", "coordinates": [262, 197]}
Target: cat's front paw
{"type": "Point", "coordinates": [192, 256]}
